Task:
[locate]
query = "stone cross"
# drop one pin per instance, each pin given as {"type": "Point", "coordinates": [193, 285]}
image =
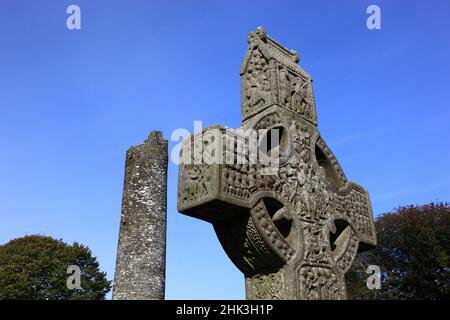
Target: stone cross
{"type": "Point", "coordinates": [141, 253]}
{"type": "Point", "coordinates": [293, 232]}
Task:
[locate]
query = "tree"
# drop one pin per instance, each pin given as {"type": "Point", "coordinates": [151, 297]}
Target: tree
{"type": "Point", "coordinates": [35, 267]}
{"type": "Point", "coordinates": [413, 254]}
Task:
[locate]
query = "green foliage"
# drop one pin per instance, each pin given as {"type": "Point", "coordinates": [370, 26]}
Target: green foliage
{"type": "Point", "coordinates": [412, 253]}
{"type": "Point", "coordinates": [34, 267]}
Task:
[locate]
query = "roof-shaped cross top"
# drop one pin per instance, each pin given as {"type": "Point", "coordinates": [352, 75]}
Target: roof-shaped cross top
{"type": "Point", "coordinates": [271, 76]}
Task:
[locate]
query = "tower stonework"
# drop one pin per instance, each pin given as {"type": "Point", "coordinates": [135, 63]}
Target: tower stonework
{"type": "Point", "coordinates": [141, 253]}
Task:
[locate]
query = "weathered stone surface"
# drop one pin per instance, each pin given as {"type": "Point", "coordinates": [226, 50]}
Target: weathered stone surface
{"type": "Point", "coordinates": [293, 232]}
{"type": "Point", "coordinates": [141, 254]}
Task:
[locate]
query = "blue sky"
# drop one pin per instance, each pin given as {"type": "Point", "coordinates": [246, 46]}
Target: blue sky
{"type": "Point", "coordinates": [72, 102]}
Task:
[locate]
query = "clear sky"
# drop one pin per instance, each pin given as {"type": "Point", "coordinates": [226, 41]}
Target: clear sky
{"type": "Point", "coordinates": [73, 101]}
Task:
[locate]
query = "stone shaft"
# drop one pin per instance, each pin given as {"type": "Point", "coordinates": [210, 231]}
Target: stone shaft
{"type": "Point", "coordinates": [141, 254]}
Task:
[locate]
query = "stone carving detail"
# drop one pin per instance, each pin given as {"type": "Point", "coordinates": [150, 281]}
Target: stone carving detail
{"type": "Point", "coordinates": [318, 283]}
{"type": "Point", "coordinates": [253, 253]}
{"type": "Point", "coordinates": [345, 261]}
{"type": "Point", "coordinates": [268, 230]}
{"type": "Point", "coordinates": [266, 286]}
{"type": "Point", "coordinates": [295, 93]}
{"type": "Point", "coordinates": [195, 182]}
{"type": "Point", "coordinates": [294, 231]}
{"type": "Point", "coordinates": [256, 84]}
{"type": "Point", "coordinates": [270, 75]}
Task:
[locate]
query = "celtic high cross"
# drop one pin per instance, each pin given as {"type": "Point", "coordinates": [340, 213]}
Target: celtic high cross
{"type": "Point", "coordinates": [293, 232]}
